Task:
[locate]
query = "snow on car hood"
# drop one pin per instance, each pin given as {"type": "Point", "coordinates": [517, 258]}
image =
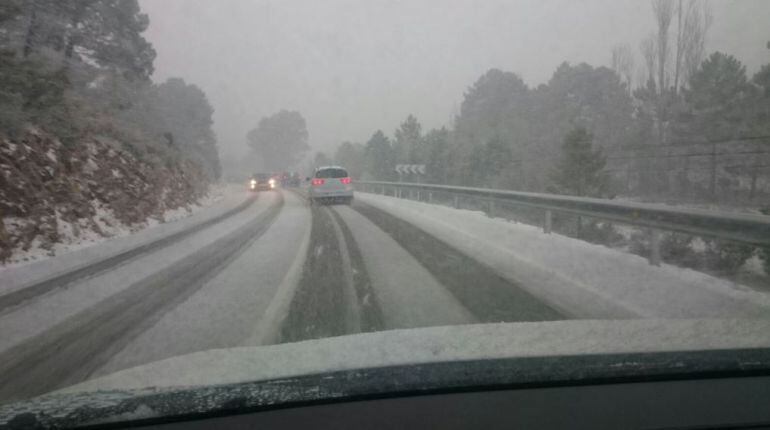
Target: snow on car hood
{"type": "Point", "coordinates": [434, 345]}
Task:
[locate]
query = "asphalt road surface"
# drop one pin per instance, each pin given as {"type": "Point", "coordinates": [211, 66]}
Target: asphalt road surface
{"type": "Point", "coordinates": [274, 269]}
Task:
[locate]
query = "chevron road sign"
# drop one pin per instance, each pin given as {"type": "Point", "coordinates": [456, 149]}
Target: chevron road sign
{"type": "Point", "coordinates": [415, 169]}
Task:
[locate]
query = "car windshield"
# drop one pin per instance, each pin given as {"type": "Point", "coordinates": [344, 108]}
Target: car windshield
{"type": "Point", "coordinates": [331, 173]}
{"type": "Point", "coordinates": [437, 181]}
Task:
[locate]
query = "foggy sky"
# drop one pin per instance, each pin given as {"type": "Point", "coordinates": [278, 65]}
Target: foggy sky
{"type": "Point", "coordinates": [354, 66]}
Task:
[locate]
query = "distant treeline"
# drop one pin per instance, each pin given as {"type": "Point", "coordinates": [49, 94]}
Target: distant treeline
{"type": "Point", "coordinates": [695, 126]}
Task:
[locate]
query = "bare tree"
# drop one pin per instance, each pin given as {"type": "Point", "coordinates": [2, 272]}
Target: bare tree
{"type": "Point", "coordinates": [679, 45]}
{"type": "Point", "coordinates": [663, 11]}
{"type": "Point", "coordinates": [697, 21]}
{"type": "Point", "coordinates": [693, 22]}
{"type": "Point", "coordinates": [648, 54]}
{"type": "Point", "coordinates": [657, 54]}
{"type": "Point", "coordinates": [623, 63]}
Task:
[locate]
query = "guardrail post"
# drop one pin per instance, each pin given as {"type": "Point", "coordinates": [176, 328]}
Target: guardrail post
{"type": "Point", "coordinates": [418, 195]}
{"type": "Point", "coordinates": [548, 223]}
{"type": "Point", "coordinates": [430, 197]}
{"type": "Point", "coordinates": [456, 202]}
{"type": "Point", "coordinates": [491, 209]}
{"type": "Point", "coordinates": [655, 247]}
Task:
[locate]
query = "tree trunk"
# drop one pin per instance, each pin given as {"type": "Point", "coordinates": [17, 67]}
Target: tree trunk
{"type": "Point", "coordinates": [579, 227]}
{"type": "Point", "coordinates": [713, 176]}
{"type": "Point", "coordinates": [31, 29]}
{"type": "Point", "coordinates": [677, 66]}
{"type": "Point", "coordinates": [628, 177]}
{"type": "Point", "coordinates": [753, 187]}
{"type": "Point", "coordinates": [75, 18]}
{"type": "Point", "coordinates": [685, 190]}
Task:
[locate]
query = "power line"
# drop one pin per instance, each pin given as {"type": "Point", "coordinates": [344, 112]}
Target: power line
{"type": "Point", "coordinates": [683, 143]}
{"type": "Point", "coordinates": [669, 145]}
{"type": "Point", "coordinates": [653, 156]}
{"type": "Point", "coordinates": [697, 154]}
{"type": "Point", "coordinates": [696, 143]}
{"type": "Point", "coordinates": [691, 168]}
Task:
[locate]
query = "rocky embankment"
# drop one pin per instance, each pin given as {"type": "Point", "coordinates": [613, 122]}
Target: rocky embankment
{"type": "Point", "coordinates": [52, 193]}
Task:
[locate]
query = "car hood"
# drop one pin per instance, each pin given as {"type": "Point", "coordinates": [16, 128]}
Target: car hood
{"type": "Point", "coordinates": [436, 344]}
{"type": "Point", "coordinates": [425, 359]}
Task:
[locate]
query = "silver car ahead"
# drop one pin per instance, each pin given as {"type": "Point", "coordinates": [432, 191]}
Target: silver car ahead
{"type": "Point", "coordinates": [331, 184]}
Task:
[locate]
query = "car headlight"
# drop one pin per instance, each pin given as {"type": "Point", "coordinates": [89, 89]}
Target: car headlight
{"type": "Point", "coordinates": [253, 182]}
{"type": "Point", "coordinates": [272, 183]}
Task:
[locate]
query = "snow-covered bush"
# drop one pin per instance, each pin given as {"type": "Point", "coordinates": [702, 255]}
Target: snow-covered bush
{"type": "Point", "coordinates": [726, 257]}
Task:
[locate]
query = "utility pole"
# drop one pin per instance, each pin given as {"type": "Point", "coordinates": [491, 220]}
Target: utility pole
{"type": "Point", "coordinates": [713, 179]}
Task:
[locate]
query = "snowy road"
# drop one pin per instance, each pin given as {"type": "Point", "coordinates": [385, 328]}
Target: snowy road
{"type": "Point", "coordinates": [275, 269]}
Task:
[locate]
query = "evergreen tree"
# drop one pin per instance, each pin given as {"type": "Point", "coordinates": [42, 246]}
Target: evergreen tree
{"type": "Point", "coordinates": [497, 167]}
{"type": "Point", "coordinates": [761, 102]}
{"type": "Point", "coordinates": [351, 156]}
{"type": "Point", "coordinates": [438, 158]}
{"type": "Point", "coordinates": [380, 157]}
{"type": "Point", "coordinates": [280, 139]}
{"type": "Point", "coordinates": [717, 97]}
{"type": "Point", "coordinates": [406, 143]}
{"type": "Point", "coordinates": [496, 107]}
{"type": "Point", "coordinates": [184, 113]}
{"type": "Point", "coordinates": [109, 33]}
{"type": "Point", "coordinates": [321, 160]}
{"type": "Point", "coordinates": [580, 172]}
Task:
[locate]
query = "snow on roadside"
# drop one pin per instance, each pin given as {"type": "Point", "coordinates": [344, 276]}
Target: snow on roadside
{"type": "Point", "coordinates": [215, 195]}
{"type": "Point", "coordinates": [585, 279]}
{"type": "Point", "coordinates": [754, 265]}
{"type": "Point", "coordinates": [74, 236]}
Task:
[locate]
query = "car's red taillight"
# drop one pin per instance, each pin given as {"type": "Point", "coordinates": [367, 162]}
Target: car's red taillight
{"type": "Point", "coordinates": [317, 182]}
{"type": "Point", "coordinates": [345, 181]}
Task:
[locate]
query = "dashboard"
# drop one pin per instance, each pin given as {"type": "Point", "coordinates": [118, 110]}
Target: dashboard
{"type": "Point", "coordinates": [740, 402]}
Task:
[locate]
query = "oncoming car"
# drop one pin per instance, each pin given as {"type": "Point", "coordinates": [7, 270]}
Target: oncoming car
{"type": "Point", "coordinates": [261, 181]}
{"type": "Point", "coordinates": [330, 184]}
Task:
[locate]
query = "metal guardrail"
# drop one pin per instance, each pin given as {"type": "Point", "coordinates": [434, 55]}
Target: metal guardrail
{"type": "Point", "coordinates": [743, 228]}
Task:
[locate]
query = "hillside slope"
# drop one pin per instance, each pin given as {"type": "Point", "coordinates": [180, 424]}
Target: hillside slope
{"type": "Point", "coordinates": [51, 192]}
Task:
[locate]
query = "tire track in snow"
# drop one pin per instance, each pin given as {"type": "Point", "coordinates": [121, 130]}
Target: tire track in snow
{"type": "Point", "coordinates": [488, 296]}
{"type": "Point", "coordinates": [72, 350]}
{"type": "Point", "coordinates": [318, 307]}
{"type": "Point", "coordinates": [18, 297]}
{"type": "Point", "coordinates": [334, 295]}
{"type": "Point", "coordinates": [370, 310]}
